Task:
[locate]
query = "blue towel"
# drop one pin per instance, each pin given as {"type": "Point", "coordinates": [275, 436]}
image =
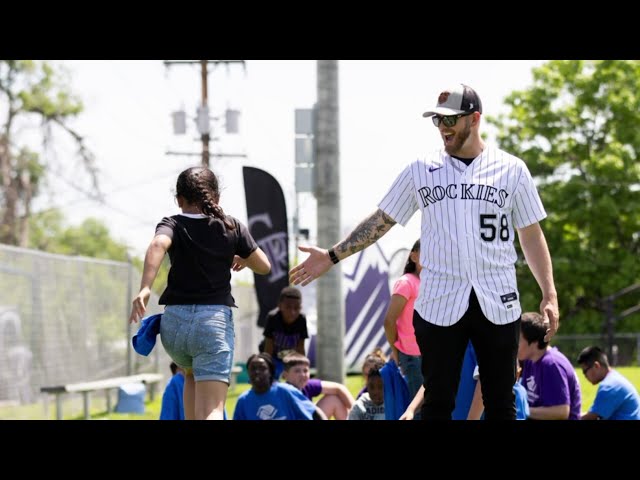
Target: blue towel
{"type": "Point", "coordinates": [396, 391]}
{"type": "Point", "coordinates": [145, 339]}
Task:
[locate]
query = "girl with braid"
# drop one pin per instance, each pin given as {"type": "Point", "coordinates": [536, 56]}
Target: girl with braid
{"type": "Point", "coordinates": [196, 330]}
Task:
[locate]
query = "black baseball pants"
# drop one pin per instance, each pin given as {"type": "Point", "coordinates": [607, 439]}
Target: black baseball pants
{"type": "Point", "coordinates": [442, 350]}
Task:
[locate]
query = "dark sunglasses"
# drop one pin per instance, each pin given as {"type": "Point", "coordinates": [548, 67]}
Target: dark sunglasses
{"type": "Point", "coordinates": [585, 370]}
{"type": "Point", "coordinates": [448, 120]}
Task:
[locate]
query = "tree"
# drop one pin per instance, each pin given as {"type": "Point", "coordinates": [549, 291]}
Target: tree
{"type": "Point", "coordinates": [576, 127]}
{"type": "Point", "coordinates": [32, 91]}
{"type": "Point", "coordinates": [91, 239]}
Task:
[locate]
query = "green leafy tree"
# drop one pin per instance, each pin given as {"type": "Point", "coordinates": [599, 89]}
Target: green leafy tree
{"type": "Point", "coordinates": [576, 127]}
{"type": "Point", "coordinates": [32, 93]}
{"type": "Point", "coordinates": [91, 239]}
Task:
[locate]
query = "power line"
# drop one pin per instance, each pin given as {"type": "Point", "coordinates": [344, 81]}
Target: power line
{"type": "Point", "coordinates": [203, 111]}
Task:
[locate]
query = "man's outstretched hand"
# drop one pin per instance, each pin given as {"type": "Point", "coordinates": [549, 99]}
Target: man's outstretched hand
{"type": "Point", "coordinates": [317, 264]}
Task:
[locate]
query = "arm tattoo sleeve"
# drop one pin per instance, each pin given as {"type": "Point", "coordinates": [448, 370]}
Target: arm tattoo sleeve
{"type": "Point", "coordinates": [367, 233]}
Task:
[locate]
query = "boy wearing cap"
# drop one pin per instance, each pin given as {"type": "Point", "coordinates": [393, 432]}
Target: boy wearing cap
{"type": "Point", "coordinates": [473, 198]}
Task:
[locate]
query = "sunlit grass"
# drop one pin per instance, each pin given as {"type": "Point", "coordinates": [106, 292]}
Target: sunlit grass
{"type": "Point", "coordinates": [73, 409]}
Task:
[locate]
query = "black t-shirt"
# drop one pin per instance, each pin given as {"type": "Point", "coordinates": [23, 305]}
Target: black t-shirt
{"type": "Point", "coordinates": [201, 255]}
{"type": "Point", "coordinates": [285, 336]}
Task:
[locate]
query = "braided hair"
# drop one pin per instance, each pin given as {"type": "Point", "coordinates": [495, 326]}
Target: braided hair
{"type": "Point", "coordinates": [199, 186]}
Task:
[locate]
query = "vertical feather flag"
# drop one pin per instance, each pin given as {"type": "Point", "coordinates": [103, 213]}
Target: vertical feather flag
{"type": "Point", "coordinates": [267, 222]}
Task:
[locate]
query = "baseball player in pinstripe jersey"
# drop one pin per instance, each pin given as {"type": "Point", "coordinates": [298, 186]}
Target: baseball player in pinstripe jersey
{"type": "Point", "coordinates": [473, 197]}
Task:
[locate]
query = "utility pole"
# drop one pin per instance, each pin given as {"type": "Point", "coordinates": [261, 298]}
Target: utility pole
{"type": "Point", "coordinates": [204, 77]}
{"type": "Point", "coordinates": [203, 110]}
{"type": "Point", "coordinates": [327, 186]}
{"type": "Point", "coordinates": [304, 167]}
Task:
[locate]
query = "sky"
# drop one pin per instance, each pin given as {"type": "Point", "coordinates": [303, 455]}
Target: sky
{"type": "Point", "coordinates": [127, 124]}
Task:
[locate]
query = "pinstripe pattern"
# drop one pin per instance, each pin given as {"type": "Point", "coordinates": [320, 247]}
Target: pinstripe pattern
{"type": "Point", "coordinates": [468, 219]}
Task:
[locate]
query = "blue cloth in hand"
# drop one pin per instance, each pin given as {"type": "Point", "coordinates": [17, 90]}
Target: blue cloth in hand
{"type": "Point", "coordinates": [145, 339]}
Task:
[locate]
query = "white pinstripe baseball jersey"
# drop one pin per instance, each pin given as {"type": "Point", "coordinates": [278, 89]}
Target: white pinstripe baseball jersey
{"type": "Point", "coordinates": [468, 219]}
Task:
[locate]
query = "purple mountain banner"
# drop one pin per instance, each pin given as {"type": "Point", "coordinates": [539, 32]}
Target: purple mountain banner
{"type": "Point", "coordinates": [367, 294]}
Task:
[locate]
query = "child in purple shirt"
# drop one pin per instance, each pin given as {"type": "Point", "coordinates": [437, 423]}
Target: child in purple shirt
{"type": "Point", "coordinates": [553, 390]}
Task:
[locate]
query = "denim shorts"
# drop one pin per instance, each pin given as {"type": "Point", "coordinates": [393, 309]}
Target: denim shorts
{"type": "Point", "coordinates": [200, 337]}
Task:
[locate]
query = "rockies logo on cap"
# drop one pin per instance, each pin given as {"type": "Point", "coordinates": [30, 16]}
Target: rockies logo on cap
{"type": "Point", "coordinates": [457, 100]}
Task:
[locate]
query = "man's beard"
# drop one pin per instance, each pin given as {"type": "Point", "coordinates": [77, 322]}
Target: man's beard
{"type": "Point", "coordinates": [459, 139]}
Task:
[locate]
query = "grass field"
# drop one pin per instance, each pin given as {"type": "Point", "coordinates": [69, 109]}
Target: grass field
{"type": "Point", "coordinates": [354, 384]}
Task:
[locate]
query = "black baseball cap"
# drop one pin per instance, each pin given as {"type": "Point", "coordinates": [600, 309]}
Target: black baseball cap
{"type": "Point", "coordinates": [455, 101]}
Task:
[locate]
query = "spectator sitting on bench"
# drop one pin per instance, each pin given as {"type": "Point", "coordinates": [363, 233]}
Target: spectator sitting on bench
{"type": "Point", "coordinates": [336, 401]}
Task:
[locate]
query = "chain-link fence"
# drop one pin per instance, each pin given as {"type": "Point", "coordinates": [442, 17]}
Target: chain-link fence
{"type": "Point", "coordinates": [64, 319]}
{"type": "Point", "coordinates": [625, 348]}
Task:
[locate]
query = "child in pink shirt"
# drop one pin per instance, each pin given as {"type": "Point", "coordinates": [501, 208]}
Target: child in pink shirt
{"type": "Point", "coordinates": [398, 322]}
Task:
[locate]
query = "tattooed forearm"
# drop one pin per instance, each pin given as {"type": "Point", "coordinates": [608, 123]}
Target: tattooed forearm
{"type": "Point", "coordinates": [367, 233]}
